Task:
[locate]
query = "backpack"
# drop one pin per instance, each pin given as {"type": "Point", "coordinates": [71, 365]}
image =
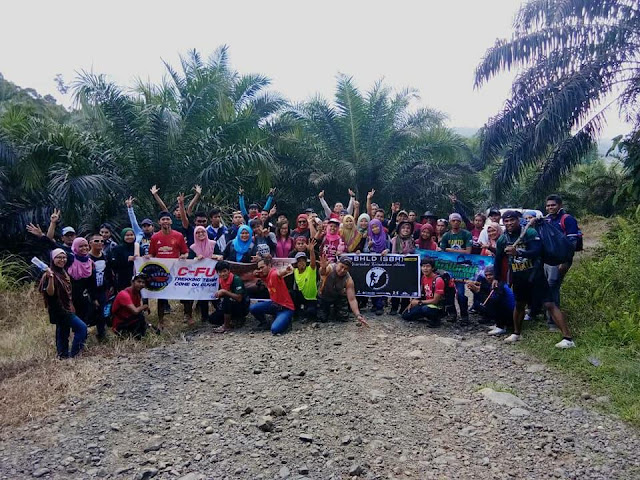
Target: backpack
{"type": "Point", "coordinates": [449, 301]}
{"type": "Point", "coordinates": [579, 243]}
{"type": "Point", "coordinates": [556, 247]}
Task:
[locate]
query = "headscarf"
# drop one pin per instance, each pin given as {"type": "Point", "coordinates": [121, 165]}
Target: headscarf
{"type": "Point", "coordinates": [204, 247]}
{"type": "Point", "coordinates": [124, 232]}
{"type": "Point", "coordinates": [347, 234]}
{"type": "Point", "coordinates": [82, 265]}
{"type": "Point", "coordinates": [62, 284]}
{"type": "Point", "coordinates": [239, 246]}
{"type": "Point", "coordinates": [379, 240]}
{"type": "Point", "coordinates": [498, 228]}
{"type": "Point", "coordinates": [363, 230]}
{"type": "Point", "coordinates": [302, 216]}
{"type": "Point", "coordinates": [428, 243]}
{"type": "Point", "coordinates": [404, 245]}
{"type": "Point", "coordinates": [332, 237]}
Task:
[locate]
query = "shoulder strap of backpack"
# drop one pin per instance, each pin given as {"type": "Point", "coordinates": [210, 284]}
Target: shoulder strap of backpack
{"type": "Point", "coordinates": [562, 221]}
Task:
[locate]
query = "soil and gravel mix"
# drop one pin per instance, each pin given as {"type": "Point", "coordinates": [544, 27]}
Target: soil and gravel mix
{"type": "Point", "coordinates": [326, 401]}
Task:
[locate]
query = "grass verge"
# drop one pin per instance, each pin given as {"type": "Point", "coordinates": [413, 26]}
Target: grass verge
{"type": "Point", "coordinates": [32, 380]}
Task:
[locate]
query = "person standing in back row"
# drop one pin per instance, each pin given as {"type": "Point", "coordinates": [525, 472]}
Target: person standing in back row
{"type": "Point", "coordinates": [458, 240]}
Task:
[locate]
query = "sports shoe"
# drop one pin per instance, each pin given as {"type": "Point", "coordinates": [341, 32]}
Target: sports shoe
{"type": "Point", "coordinates": [495, 331]}
{"type": "Point", "coordinates": [564, 343]}
{"type": "Point", "coordinates": [513, 338]}
{"type": "Point", "coordinates": [527, 318]}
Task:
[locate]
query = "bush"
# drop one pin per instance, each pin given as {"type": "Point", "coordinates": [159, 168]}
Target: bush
{"type": "Point", "coordinates": [13, 272]}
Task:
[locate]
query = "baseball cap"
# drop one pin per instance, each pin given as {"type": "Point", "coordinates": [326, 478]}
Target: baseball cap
{"type": "Point", "coordinates": [146, 221]}
{"type": "Point", "coordinates": [510, 214]}
{"type": "Point", "coordinates": [67, 230]}
{"type": "Point", "coordinates": [334, 220]}
{"type": "Point", "coordinates": [300, 255]}
{"type": "Point", "coordinates": [494, 211]}
{"type": "Point", "coordinates": [140, 275]}
{"type": "Point", "coordinates": [255, 205]}
{"type": "Point", "coordinates": [428, 214]}
{"type": "Point", "coordinates": [309, 210]}
{"type": "Point", "coordinates": [403, 212]}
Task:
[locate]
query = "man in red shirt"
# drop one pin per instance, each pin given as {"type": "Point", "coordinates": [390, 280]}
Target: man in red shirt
{"type": "Point", "coordinates": [166, 243]}
{"type": "Point", "coordinates": [128, 311]}
{"type": "Point", "coordinates": [280, 303]}
{"type": "Point", "coordinates": [429, 306]}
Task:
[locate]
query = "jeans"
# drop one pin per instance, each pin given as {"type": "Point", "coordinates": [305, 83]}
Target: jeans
{"type": "Point", "coordinates": [283, 315]}
{"type": "Point", "coordinates": [63, 329]}
{"type": "Point", "coordinates": [463, 302]}
{"type": "Point", "coordinates": [423, 311]}
{"type": "Point", "coordinates": [378, 302]}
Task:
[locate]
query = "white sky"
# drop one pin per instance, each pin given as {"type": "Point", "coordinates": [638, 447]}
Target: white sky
{"type": "Point", "coordinates": [433, 46]}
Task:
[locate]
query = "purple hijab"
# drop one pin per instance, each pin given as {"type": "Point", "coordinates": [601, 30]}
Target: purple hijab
{"type": "Point", "coordinates": [379, 240]}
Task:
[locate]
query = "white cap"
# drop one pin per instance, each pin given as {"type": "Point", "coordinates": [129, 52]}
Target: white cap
{"type": "Point", "coordinates": [66, 230]}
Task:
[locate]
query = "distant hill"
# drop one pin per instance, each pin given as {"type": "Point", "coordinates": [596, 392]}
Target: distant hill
{"type": "Point", "coordinates": [465, 131]}
{"type": "Point", "coordinates": [13, 96]}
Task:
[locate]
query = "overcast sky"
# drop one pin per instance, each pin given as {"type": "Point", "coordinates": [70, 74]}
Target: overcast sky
{"type": "Point", "coordinates": [433, 46]}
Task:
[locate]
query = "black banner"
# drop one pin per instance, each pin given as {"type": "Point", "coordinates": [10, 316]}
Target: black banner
{"type": "Point", "coordinates": [389, 275]}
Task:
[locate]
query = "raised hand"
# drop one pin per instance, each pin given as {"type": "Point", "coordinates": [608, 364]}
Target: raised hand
{"type": "Point", "coordinates": [321, 194]}
{"type": "Point", "coordinates": [273, 211]}
{"type": "Point", "coordinates": [272, 191]}
{"type": "Point", "coordinates": [154, 190]}
{"type": "Point", "coordinates": [351, 193]}
{"type": "Point", "coordinates": [35, 230]}
{"type": "Point", "coordinates": [452, 197]}
{"type": "Point", "coordinates": [324, 262]}
{"type": "Point", "coordinates": [129, 201]}
{"type": "Point", "coordinates": [55, 216]}
{"type": "Point", "coordinates": [356, 204]}
{"type": "Point", "coordinates": [240, 191]}
{"type": "Point", "coordinates": [180, 199]}
{"type": "Point", "coordinates": [197, 189]}
{"type": "Point", "coordinates": [312, 244]}
{"type": "Point", "coordinates": [371, 193]}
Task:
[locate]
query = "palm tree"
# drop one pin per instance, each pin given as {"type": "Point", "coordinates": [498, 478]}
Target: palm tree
{"type": "Point", "coordinates": [577, 57]}
{"type": "Point", "coordinates": [375, 141]}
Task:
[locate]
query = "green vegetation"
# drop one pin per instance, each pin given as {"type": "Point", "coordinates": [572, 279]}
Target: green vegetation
{"type": "Point", "coordinates": [600, 296]}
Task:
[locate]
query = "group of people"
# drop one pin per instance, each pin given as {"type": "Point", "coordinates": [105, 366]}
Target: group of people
{"type": "Point", "coordinates": [91, 280]}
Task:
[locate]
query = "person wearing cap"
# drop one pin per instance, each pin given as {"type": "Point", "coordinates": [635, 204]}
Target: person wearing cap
{"type": "Point", "coordinates": [305, 293]}
{"type": "Point", "coordinates": [337, 293]}
{"type": "Point", "coordinates": [430, 218]}
{"type": "Point", "coordinates": [397, 216]}
{"type": "Point", "coordinates": [331, 244]}
{"type": "Point", "coordinates": [254, 208]}
{"type": "Point", "coordinates": [458, 240]}
{"type": "Point", "coordinates": [264, 238]}
{"type": "Point", "coordinates": [495, 305]}
{"type": "Point", "coordinates": [128, 310]}
{"type": "Point", "coordinates": [167, 243]}
{"type": "Point", "coordinates": [280, 304]}
{"type": "Point", "coordinates": [338, 207]}
{"type": "Point", "coordinates": [143, 231]}
{"type": "Point", "coordinates": [55, 286]}
{"type": "Point", "coordinates": [522, 251]}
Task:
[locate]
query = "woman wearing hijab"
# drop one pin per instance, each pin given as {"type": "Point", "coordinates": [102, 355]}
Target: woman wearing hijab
{"type": "Point", "coordinates": [55, 286]}
{"type": "Point", "coordinates": [351, 236]}
{"type": "Point", "coordinates": [302, 227]}
{"type": "Point", "coordinates": [378, 243]}
{"type": "Point", "coordinates": [402, 244]}
{"type": "Point", "coordinates": [83, 283]}
{"type": "Point", "coordinates": [202, 248]}
{"type": "Point", "coordinates": [242, 248]}
{"type": "Point", "coordinates": [332, 245]}
{"type": "Point", "coordinates": [493, 233]}
{"type": "Point", "coordinates": [122, 257]}
{"type": "Point", "coordinates": [425, 240]}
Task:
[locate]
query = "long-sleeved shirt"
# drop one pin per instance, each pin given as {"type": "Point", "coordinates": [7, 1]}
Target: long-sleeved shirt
{"type": "Point", "coordinates": [243, 208]}
{"type": "Point", "coordinates": [143, 239]}
{"type": "Point", "coordinates": [525, 261]}
{"type": "Point", "coordinates": [330, 213]}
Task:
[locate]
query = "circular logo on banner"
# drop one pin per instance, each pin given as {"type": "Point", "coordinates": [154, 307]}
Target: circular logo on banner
{"type": "Point", "coordinates": [377, 278]}
{"type": "Point", "coordinates": [159, 276]}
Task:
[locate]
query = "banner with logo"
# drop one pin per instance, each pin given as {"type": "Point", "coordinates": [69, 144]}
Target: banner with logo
{"type": "Point", "coordinates": [389, 275]}
{"type": "Point", "coordinates": [461, 266]}
{"type": "Point", "coordinates": [175, 279]}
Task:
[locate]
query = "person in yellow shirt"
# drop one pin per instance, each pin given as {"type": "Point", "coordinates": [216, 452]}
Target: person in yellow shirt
{"type": "Point", "coordinates": [305, 294]}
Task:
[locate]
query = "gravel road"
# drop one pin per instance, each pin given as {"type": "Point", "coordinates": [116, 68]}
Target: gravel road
{"type": "Point", "coordinates": [326, 401]}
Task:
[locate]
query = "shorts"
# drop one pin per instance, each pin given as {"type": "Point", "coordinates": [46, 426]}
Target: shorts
{"type": "Point", "coordinates": [532, 292]}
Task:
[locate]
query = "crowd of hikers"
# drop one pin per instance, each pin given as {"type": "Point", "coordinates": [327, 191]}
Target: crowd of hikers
{"type": "Point", "coordinates": [91, 280]}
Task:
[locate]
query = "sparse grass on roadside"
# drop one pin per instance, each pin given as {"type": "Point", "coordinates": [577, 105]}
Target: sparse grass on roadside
{"type": "Point", "coordinates": [498, 387]}
{"type": "Point", "coordinates": [32, 380]}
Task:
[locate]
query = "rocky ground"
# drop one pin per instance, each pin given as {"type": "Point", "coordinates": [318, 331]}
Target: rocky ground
{"type": "Point", "coordinates": [395, 400]}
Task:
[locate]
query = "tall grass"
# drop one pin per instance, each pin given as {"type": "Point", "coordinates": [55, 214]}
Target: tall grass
{"type": "Point", "coordinates": [13, 271]}
{"type": "Point", "coordinates": [601, 297]}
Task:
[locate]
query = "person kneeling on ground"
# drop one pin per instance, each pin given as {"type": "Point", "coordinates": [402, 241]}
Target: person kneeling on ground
{"type": "Point", "coordinates": [306, 292]}
{"type": "Point", "coordinates": [233, 302]}
{"type": "Point", "coordinates": [337, 291]}
{"type": "Point", "coordinates": [496, 305]}
{"type": "Point", "coordinates": [128, 310]}
{"type": "Point", "coordinates": [280, 303]}
{"type": "Point", "coordinates": [429, 306]}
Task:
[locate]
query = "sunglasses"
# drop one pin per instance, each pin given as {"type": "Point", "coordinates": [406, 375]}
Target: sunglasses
{"type": "Point", "coordinates": [302, 221]}
{"type": "Point", "coordinates": [97, 241]}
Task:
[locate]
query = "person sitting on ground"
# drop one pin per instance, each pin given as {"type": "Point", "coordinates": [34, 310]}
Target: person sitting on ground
{"type": "Point", "coordinates": [306, 292]}
{"type": "Point", "coordinates": [523, 252]}
{"type": "Point", "coordinates": [55, 286]}
{"type": "Point", "coordinates": [429, 306]}
{"type": "Point", "coordinates": [241, 249]}
{"type": "Point", "coordinates": [254, 208]}
{"type": "Point", "coordinates": [128, 310]}
{"type": "Point", "coordinates": [280, 303]}
{"type": "Point", "coordinates": [425, 240]}
{"type": "Point", "coordinates": [337, 293]}
{"type": "Point", "coordinates": [232, 301]}
{"type": "Point", "coordinates": [496, 305]}
{"type": "Point", "coordinates": [338, 207]}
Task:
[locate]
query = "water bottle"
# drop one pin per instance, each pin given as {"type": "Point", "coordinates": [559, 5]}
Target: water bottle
{"type": "Point", "coordinates": [40, 264]}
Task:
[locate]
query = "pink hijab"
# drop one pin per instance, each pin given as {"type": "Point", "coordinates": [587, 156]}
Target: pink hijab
{"type": "Point", "coordinates": [204, 247]}
{"type": "Point", "coordinates": [82, 266]}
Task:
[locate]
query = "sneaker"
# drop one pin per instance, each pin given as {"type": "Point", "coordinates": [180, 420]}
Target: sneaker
{"type": "Point", "coordinates": [513, 338]}
{"type": "Point", "coordinates": [497, 331]}
{"type": "Point", "coordinates": [564, 343]}
{"type": "Point", "coordinates": [433, 323]}
{"type": "Point", "coordinates": [527, 318]}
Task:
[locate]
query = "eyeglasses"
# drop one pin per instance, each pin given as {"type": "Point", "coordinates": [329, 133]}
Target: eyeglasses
{"type": "Point", "coordinates": [302, 221]}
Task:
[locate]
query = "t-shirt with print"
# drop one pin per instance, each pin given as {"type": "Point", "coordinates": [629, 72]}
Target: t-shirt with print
{"type": "Point", "coordinates": [306, 282]}
{"type": "Point", "coordinates": [428, 291]}
{"type": "Point", "coordinates": [520, 267]}
{"type": "Point", "coordinates": [457, 241]}
{"type": "Point", "coordinates": [100, 264]}
{"type": "Point", "coordinates": [278, 292]}
{"type": "Point", "coordinates": [262, 247]}
{"type": "Point", "coordinates": [170, 245]}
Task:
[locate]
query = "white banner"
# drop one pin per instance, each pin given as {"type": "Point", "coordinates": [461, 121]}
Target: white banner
{"type": "Point", "coordinates": [175, 279]}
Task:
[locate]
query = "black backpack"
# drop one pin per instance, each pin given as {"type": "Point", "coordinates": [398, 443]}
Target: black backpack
{"type": "Point", "coordinates": [556, 247]}
{"type": "Point", "coordinates": [449, 301]}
